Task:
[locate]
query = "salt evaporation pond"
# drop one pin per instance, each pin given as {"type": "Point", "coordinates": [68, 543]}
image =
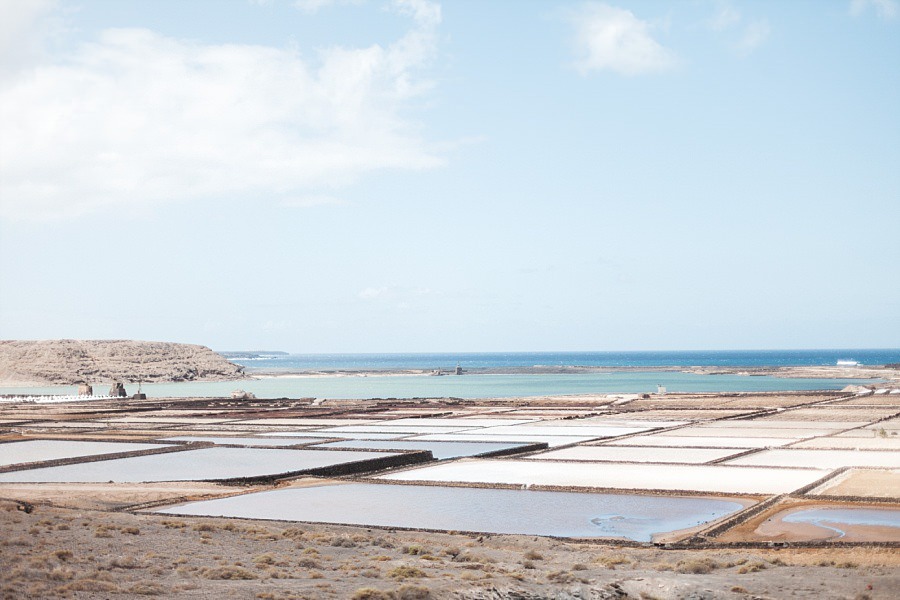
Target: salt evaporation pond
{"type": "Point", "coordinates": [440, 450]}
{"type": "Point", "coordinates": [193, 465]}
{"type": "Point", "coordinates": [245, 441]}
{"type": "Point", "coordinates": [42, 450]}
{"type": "Point", "coordinates": [839, 519]}
{"type": "Point", "coordinates": [563, 514]}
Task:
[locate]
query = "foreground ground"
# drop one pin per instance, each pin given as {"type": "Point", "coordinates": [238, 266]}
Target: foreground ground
{"type": "Point", "coordinates": [89, 553]}
{"type": "Point", "coordinates": [98, 540]}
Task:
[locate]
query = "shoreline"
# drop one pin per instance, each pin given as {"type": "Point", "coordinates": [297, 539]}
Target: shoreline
{"type": "Point", "coordinates": [792, 372]}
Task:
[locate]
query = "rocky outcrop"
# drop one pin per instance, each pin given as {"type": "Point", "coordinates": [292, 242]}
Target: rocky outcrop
{"type": "Point", "coordinates": [83, 361]}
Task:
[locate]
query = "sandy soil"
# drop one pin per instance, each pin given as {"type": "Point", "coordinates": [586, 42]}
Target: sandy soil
{"type": "Point", "coordinates": [770, 525]}
{"type": "Point", "coordinates": [866, 483]}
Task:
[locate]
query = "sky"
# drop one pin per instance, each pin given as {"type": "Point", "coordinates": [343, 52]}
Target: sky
{"type": "Point", "coordinates": [414, 176]}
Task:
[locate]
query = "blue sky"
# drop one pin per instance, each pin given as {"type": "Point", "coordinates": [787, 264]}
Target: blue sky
{"type": "Point", "coordinates": [408, 175]}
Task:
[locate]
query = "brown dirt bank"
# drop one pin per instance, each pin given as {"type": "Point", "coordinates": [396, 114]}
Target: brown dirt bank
{"type": "Point", "coordinates": [67, 362]}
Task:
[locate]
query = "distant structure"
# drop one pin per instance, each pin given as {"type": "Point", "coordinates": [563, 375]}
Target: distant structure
{"type": "Point", "coordinates": [85, 390]}
{"type": "Point", "coordinates": [117, 390]}
{"type": "Point", "coordinates": [458, 370]}
{"type": "Point", "coordinates": [242, 395]}
{"type": "Point", "coordinates": [661, 389]}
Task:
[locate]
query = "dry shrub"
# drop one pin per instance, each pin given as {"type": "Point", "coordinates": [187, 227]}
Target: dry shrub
{"type": "Point", "coordinates": [125, 562]}
{"type": "Point", "coordinates": [102, 531]}
{"type": "Point", "coordinates": [130, 530]}
{"type": "Point", "coordinates": [61, 574]}
{"type": "Point", "coordinates": [579, 567]}
{"type": "Point", "coordinates": [292, 533]}
{"type": "Point", "coordinates": [697, 567]}
{"type": "Point", "coordinates": [369, 594]}
{"type": "Point", "coordinates": [63, 555]}
{"type": "Point", "coordinates": [560, 577]}
{"type": "Point", "coordinates": [406, 572]}
{"type": "Point", "coordinates": [341, 541]}
{"type": "Point", "coordinates": [308, 563]}
{"type": "Point", "coordinates": [752, 567]}
{"type": "Point", "coordinates": [474, 557]}
{"type": "Point", "coordinates": [612, 560]}
{"type": "Point", "coordinates": [533, 555]}
{"type": "Point", "coordinates": [90, 585]}
{"type": "Point", "coordinates": [410, 592]}
{"type": "Point", "coordinates": [228, 573]}
{"type": "Point", "coordinates": [739, 590]}
{"type": "Point", "coordinates": [147, 588]}
{"type": "Point", "coordinates": [204, 527]}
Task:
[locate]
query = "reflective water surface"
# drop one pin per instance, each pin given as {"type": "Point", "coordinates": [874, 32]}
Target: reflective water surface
{"type": "Point", "coordinates": [564, 514]}
{"type": "Point", "coordinates": [837, 519]}
{"type": "Point", "coordinates": [193, 465]}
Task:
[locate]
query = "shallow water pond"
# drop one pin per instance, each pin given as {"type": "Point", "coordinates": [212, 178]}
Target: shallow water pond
{"type": "Point", "coordinates": [193, 465]}
{"type": "Point", "coordinates": [245, 441]}
{"type": "Point", "coordinates": [564, 514]}
{"type": "Point", "coordinates": [41, 450]}
{"type": "Point", "coordinates": [841, 519]}
{"type": "Point", "coordinates": [440, 450]}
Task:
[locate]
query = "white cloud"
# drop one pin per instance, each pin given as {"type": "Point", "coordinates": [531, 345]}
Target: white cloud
{"type": "Point", "coordinates": [726, 16]}
{"type": "Point", "coordinates": [754, 35]}
{"type": "Point", "coordinates": [611, 38]}
{"type": "Point", "coordinates": [312, 200]}
{"type": "Point", "coordinates": [885, 9]}
{"type": "Point", "coordinates": [371, 293]}
{"type": "Point", "coordinates": [24, 24]}
{"type": "Point", "coordinates": [134, 119]}
{"type": "Point", "coordinates": [312, 6]}
{"type": "Point", "coordinates": [729, 22]}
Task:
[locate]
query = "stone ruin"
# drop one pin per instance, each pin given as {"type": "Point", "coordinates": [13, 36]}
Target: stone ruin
{"type": "Point", "coordinates": [117, 390]}
{"type": "Point", "coordinates": [85, 390]}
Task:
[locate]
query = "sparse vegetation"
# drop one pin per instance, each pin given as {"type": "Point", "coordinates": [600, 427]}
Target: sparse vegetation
{"type": "Point", "coordinates": [406, 572]}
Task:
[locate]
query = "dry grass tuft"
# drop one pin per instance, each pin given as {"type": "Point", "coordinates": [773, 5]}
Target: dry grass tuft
{"type": "Point", "coordinates": [752, 567]}
{"type": "Point", "coordinates": [697, 567]}
{"type": "Point", "coordinates": [228, 573]}
{"type": "Point", "coordinates": [406, 572]}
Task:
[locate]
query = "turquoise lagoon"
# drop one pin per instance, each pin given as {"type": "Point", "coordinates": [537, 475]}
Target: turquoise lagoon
{"type": "Point", "coordinates": [468, 386]}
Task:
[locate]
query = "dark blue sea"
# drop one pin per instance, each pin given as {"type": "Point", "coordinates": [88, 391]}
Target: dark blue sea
{"type": "Point", "coordinates": [496, 360]}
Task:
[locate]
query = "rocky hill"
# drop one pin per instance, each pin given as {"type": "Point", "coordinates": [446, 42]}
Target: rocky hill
{"type": "Point", "coordinates": [93, 361]}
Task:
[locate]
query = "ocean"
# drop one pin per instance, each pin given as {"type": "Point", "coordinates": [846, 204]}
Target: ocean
{"type": "Point", "coordinates": [489, 360]}
{"type": "Point", "coordinates": [485, 385]}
